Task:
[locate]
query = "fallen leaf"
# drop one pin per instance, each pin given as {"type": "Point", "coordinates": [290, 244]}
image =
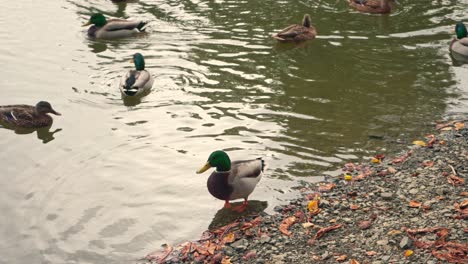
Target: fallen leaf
{"type": "Point", "coordinates": [428, 163]}
{"type": "Point", "coordinates": [464, 194]}
{"type": "Point", "coordinates": [160, 255]}
{"type": "Point", "coordinates": [325, 230]}
{"type": "Point", "coordinates": [307, 225]}
{"type": "Point", "coordinates": [287, 222]}
{"type": "Point", "coordinates": [408, 253]}
{"type": "Point", "coordinates": [419, 143]}
{"type": "Point", "coordinates": [348, 177]}
{"type": "Point", "coordinates": [402, 158]}
{"type": "Point", "coordinates": [315, 257]}
{"type": "Point", "coordinates": [374, 160]}
{"type": "Point", "coordinates": [326, 187]}
{"type": "Point", "coordinates": [415, 204]}
{"type": "Point", "coordinates": [313, 206]}
{"type": "Point", "coordinates": [394, 232]}
{"type": "Point", "coordinates": [391, 170]}
{"type": "Point", "coordinates": [365, 224]}
{"type": "Point", "coordinates": [454, 180]}
{"type": "Point", "coordinates": [464, 204]}
{"type": "Point", "coordinates": [341, 258]}
{"type": "Point", "coordinates": [459, 125]}
{"type": "Point", "coordinates": [229, 238]}
{"type": "Point", "coordinates": [354, 207]}
{"type": "Point", "coordinates": [249, 255]}
{"type": "Point", "coordinates": [446, 128]}
{"type": "Point", "coordinates": [226, 260]}
{"type": "Point", "coordinates": [371, 253]}
{"type": "Point", "coordinates": [432, 140]}
{"type": "Point", "coordinates": [353, 261]}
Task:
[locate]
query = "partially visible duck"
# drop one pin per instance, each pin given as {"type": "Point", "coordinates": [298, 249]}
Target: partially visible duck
{"type": "Point", "coordinates": [371, 6]}
{"type": "Point", "coordinates": [459, 45]}
{"type": "Point", "coordinates": [232, 180]}
{"type": "Point", "coordinates": [103, 28]}
{"type": "Point", "coordinates": [296, 33]}
{"type": "Point", "coordinates": [28, 116]}
{"type": "Point", "coordinates": [136, 82]}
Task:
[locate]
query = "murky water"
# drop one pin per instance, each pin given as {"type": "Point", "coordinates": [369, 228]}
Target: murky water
{"type": "Point", "coordinates": [111, 181]}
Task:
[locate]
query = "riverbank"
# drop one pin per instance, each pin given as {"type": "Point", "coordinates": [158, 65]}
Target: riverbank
{"type": "Point", "coordinates": [412, 208]}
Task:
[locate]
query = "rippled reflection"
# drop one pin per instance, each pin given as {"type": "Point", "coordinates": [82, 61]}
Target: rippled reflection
{"type": "Point", "coordinates": [119, 180]}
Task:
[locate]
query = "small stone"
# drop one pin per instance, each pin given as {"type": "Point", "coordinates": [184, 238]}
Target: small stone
{"type": "Point", "coordinates": [406, 243]}
{"type": "Point", "coordinates": [325, 255]}
{"type": "Point", "coordinates": [386, 195]}
{"type": "Point", "coordinates": [240, 244]}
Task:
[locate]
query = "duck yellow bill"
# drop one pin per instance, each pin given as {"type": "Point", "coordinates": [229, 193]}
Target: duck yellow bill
{"type": "Point", "coordinates": [86, 24]}
{"type": "Point", "coordinates": [204, 168]}
{"type": "Point", "coordinates": [132, 61]}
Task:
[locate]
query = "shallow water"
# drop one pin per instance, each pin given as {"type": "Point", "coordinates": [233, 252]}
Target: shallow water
{"type": "Point", "coordinates": [113, 180]}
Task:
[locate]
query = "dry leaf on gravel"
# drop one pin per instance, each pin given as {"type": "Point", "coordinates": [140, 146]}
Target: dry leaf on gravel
{"type": "Point", "coordinates": [326, 187]}
{"type": "Point", "coordinates": [226, 260]}
{"type": "Point", "coordinates": [459, 125]}
{"type": "Point", "coordinates": [464, 194]}
{"type": "Point", "coordinates": [454, 180]}
{"type": "Point", "coordinates": [249, 255]}
{"type": "Point", "coordinates": [419, 143]}
{"type": "Point", "coordinates": [160, 255]}
{"type": "Point", "coordinates": [371, 253]}
{"type": "Point", "coordinates": [325, 230]}
{"type": "Point", "coordinates": [314, 207]}
{"type": "Point", "coordinates": [287, 222]}
{"type": "Point", "coordinates": [391, 170]}
{"type": "Point", "coordinates": [408, 253]}
{"type": "Point", "coordinates": [341, 258]}
{"type": "Point", "coordinates": [229, 238]}
{"type": "Point", "coordinates": [365, 224]}
{"type": "Point", "coordinates": [394, 232]}
{"type": "Point", "coordinates": [402, 158]}
{"type": "Point", "coordinates": [354, 207]}
{"type": "Point", "coordinates": [428, 163]}
{"type": "Point", "coordinates": [353, 261]}
{"type": "Point", "coordinates": [415, 204]}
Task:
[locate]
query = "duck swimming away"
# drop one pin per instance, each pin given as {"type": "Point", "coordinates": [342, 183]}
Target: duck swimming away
{"type": "Point", "coordinates": [28, 116]}
{"type": "Point", "coordinates": [297, 33]}
{"type": "Point", "coordinates": [103, 28]}
{"type": "Point", "coordinates": [136, 82]}
{"type": "Point", "coordinates": [232, 180]}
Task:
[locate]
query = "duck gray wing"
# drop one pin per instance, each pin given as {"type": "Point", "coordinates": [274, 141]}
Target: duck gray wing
{"type": "Point", "coordinates": [463, 41]}
{"type": "Point", "coordinates": [142, 79]}
{"type": "Point", "coordinates": [121, 24]}
{"type": "Point", "coordinates": [246, 169]}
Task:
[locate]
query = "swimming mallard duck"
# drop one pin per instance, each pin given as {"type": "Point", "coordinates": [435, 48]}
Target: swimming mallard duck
{"type": "Point", "coordinates": [112, 28]}
{"type": "Point", "coordinates": [28, 116]}
{"type": "Point", "coordinates": [296, 33]}
{"type": "Point", "coordinates": [371, 6]}
{"type": "Point", "coordinates": [232, 180]}
{"type": "Point", "coordinates": [136, 82]}
{"type": "Point", "coordinates": [459, 45]}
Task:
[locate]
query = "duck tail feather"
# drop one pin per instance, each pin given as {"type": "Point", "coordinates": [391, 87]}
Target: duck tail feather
{"type": "Point", "coordinates": [263, 163]}
{"type": "Point", "coordinates": [141, 26]}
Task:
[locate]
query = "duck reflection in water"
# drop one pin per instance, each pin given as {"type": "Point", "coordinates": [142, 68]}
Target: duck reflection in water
{"type": "Point", "coordinates": [44, 134]}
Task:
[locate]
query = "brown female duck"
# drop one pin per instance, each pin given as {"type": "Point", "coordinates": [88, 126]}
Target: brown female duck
{"type": "Point", "coordinates": [28, 116]}
{"type": "Point", "coordinates": [232, 180]}
{"type": "Point", "coordinates": [296, 33]}
{"type": "Point", "coordinates": [371, 6]}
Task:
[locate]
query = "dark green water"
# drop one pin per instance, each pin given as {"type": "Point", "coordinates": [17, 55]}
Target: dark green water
{"type": "Point", "coordinates": [115, 181]}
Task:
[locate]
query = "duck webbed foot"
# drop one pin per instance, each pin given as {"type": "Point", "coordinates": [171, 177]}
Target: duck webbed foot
{"type": "Point", "coordinates": [241, 208]}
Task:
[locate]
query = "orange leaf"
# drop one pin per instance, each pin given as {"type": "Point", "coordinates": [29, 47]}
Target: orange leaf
{"type": "Point", "coordinates": [414, 204]}
{"type": "Point", "coordinates": [371, 253]}
{"type": "Point", "coordinates": [326, 187]}
{"type": "Point", "coordinates": [459, 125]}
{"type": "Point", "coordinates": [313, 206]}
{"type": "Point", "coordinates": [226, 260]}
{"type": "Point", "coordinates": [229, 238]}
{"type": "Point", "coordinates": [428, 163]}
{"type": "Point", "coordinates": [354, 207]}
{"type": "Point", "coordinates": [408, 253]}
{"type": "Point", "coordinates": [454, 180]}
{"type": "Point", "coordinates": [464, 204]}
{"type": "Point", "coordinates": [353, 261]}
{"type": "Point", "coordinates": [341, 258]}
{"type": "Point", "coordinates": [287, 222]}
{"type": "Point", "coordinates": [464, 193]}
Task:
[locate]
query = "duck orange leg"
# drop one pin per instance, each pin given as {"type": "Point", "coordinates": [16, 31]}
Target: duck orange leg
{"type": "Point", "coordinates": [241, 208]}
{"type": "Point", "coordinates": [227, 204]}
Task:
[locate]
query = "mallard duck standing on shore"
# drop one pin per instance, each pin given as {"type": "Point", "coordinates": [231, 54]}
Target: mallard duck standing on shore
{"type": "Point", "coordinates": [103, 28]}
{"type": "Point", "coordinates": [232, 180]}
{"type": "Point", "coordinates": [296, 33]}
{"type": "Point", "coordinates": [371, 6]}
{"type": "Point", "coordinates": [136, 82]}
{"type": "Point", "coordinates": [459, 45]}
{"type": "Point", "coordinates": [28, 116]}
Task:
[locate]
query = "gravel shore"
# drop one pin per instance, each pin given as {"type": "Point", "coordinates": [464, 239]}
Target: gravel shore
{"type": "Point", "coordinates": [412, 208]}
